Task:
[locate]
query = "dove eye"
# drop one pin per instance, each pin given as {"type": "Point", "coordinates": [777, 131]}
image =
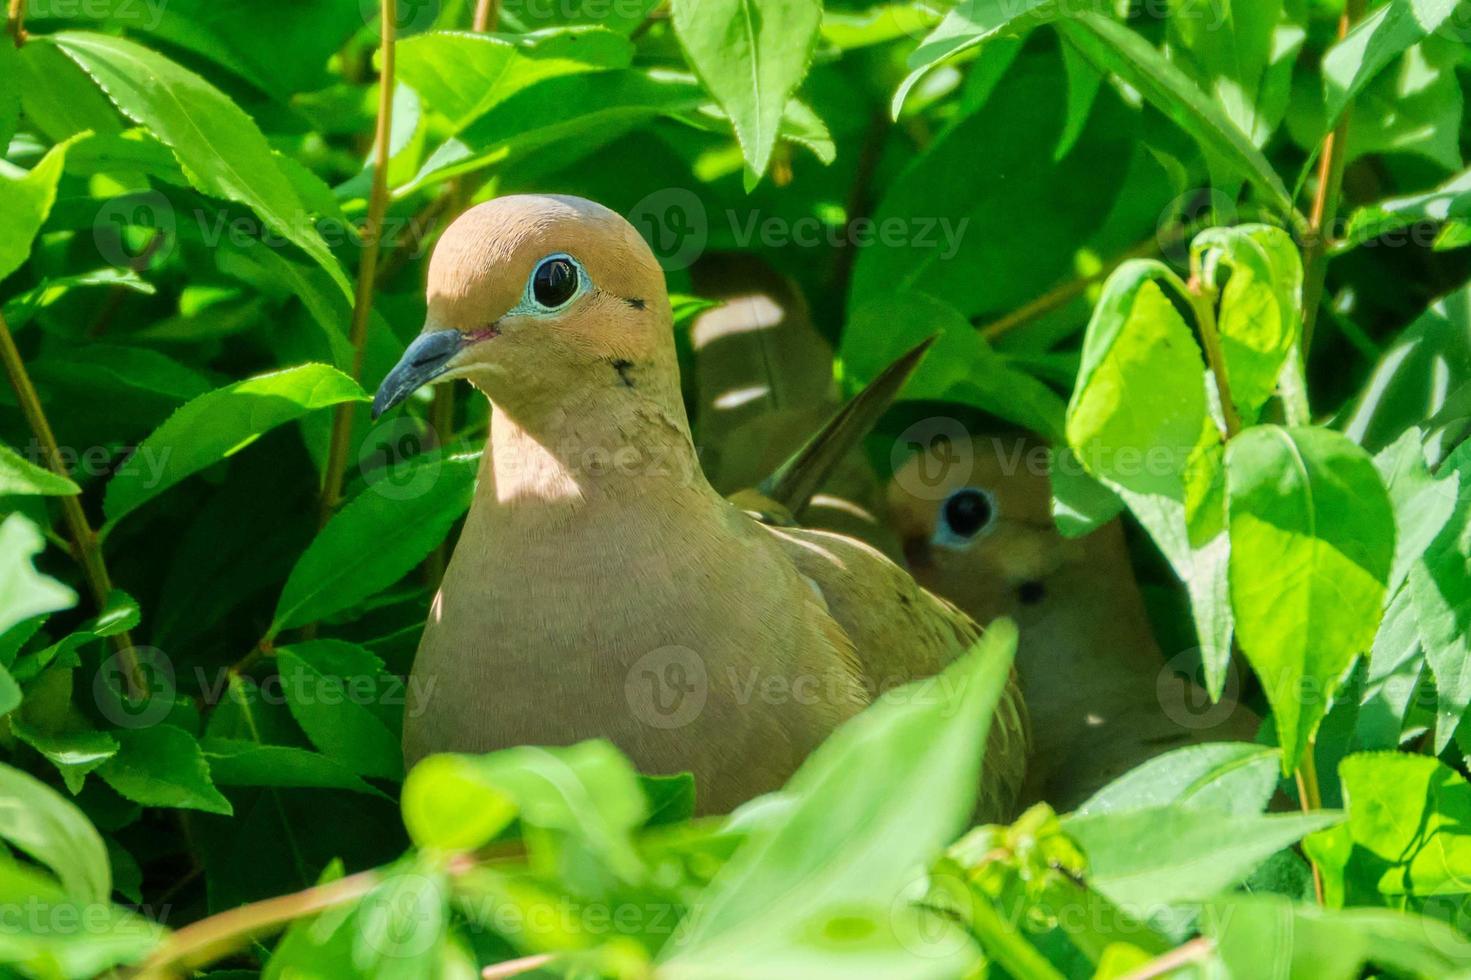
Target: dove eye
{"type": "Point", "coordinates": [555, 282]}
{"type": "Point", "coordinates": [966, 514]}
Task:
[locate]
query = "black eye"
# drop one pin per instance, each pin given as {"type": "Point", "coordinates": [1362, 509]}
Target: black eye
{"type": "Point", "coordinates": [554, 282]}
{"type": "Point", "coordinates": [968, 512]}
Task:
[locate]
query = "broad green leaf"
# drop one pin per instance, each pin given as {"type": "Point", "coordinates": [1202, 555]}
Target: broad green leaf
{"type": "Point", "coordinates": [961, 367]}
{"type": "Point", "coordinates": [1312, 541]}
{"type": "Point", "coordinates": [24, 592]}
{"type": "Point", "coordinates": [339, 694]}
{"type": "Point", "coordinates": [238, 762]}
{"type": "Point", "coordinates": [1114, 48]}
{"type": "Point", "coordinates": [1260, 306]}
{"type": "Point", "coordinates": [751, 55]}
{"type": "Point", "coordinates": [1406, 841]}
{"type": "Point", "coordinates": [162, 765]}
{"type": "Point", "coordinates": [865, 814]}
{"type": "Point", "coordinates": [1396, 665]}
{"type": "Point", "coordinates": [1139, 423]}
{"type": "Point", "coordinates": [19, 475]}
{"type": "Point", "coordinates": [1422, 503]}
{"type": "Point", "coordinates": [1241, 54]}
{"type": "Point", "coordinates": [403, 519]}
{"type": "Point", "coordinates": [1146, 858]}
{"type": "Point", "coordinates": [35, 819]}
{"type": "Point", "coordinates": [55, 934]}
{"type": "Point", "coordinates": [25, 203]}
{"type": "Point", "coordinates": [587, 791]}
{"type": "Point", "coordinates": [585, 110]}
{"type": "Point", "coordinates": [1373, 43]}
{"type": "Point", "coordinates": [1448, 202]}
{"type": "Point", "coordinates": [1233, 777]}
{"type": "Point", "coordinates": [1080, 504]}
{"type": "Point", "coordinates": [1270, 936]}
{"type": "Point", "coordinates": [1439, 582]}
{"type": "Point", "coordinates": [219, 424]}
{"type": "Point", "coordinates": [461, 75]}
{"type": "Point", "coordinates": [22, 308]}
{"type": "Point", "coordinates": [967, 25]}
{"type": "Point", "coordinates": [528, 16]}
{"type": "Point", "coordinates": [401, 924]}
{"type": "Point", "coordinates": [74, 751]}
{"type": "Point", "coordinates": [10, 95]}
{"type": "Point", "coordinates": [220, 147]}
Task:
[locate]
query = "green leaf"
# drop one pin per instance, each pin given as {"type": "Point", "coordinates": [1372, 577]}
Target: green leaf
{"type": "Point", "coordinates": [219, 424]}
{"type": "Point", "coordinates": [10, 95]}
{"type": "Point", "coordinates": [26, 592]}
{"type": "Point", "coordinates": [1260, 307]}
{"type": "Point", "coordinates": [1312, 541]}
{"type": "Point", "coordinates": [404, 518]}
{"type": "Point", "coordinates": [338, 694]}
{"type": "Point", "coordinates": [1157, 855]}
{"type": "Point", "coordinates": [1384, 34]}
{"type": "Point", "coordinates": [1396, 663]}
{"type": "Point", "coordinates": [1447, 202]}
{"type": "Point", "coordinates": [1233, 777]}
{"type": "Point", "coordinates": [162, 765]}
{"type": "Point", "coordinates": [587, 791]}
{"type": "Point", "coordinates": [1422, 503]}
{"type": "Point", "coordinates": [1439, 582]}
{"type": "Point", "coordinates": [586, 110]}
{"type": "Point", "coordinates": [462, 75]}
{"type": "Point", "coordinates": [875, 804]}
{"type": "Point", "coordinates": [40, 822]}
{"type": "Point", "coordinates": [25, 203]}
{"type": "Point", "coordinates": [400, 925]}
{"type": "Point", "coordinates": [220, 147]}
{"type": "Point", "coordinates": [1406, 840]}
{"type": "Point", "coordinates": [1114, 48]}
{"type": "Point", "coordinates": [1270, 936]}
{"type": "Point", "coordinates": [60, 935]}
{"type": "Point", "coordinates": [1080, 504]}
{"type": "Point", "coordinates": [238, 762]}
{"type": "Point", "coordinates": [961, 367]}
{"type": "Point", "coordinates": [21, 308]}
{"type": "Point", "coordinates": [751, 55]}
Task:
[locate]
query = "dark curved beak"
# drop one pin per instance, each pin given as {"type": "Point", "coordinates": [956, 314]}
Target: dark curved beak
{"type": "Point", "coordinates": [423, 360]}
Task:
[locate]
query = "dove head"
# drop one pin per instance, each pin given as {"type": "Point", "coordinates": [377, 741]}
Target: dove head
{"type": "Point", "coordinates": [976, 525]}
{"type": "Point", "coordinates": [538, 300]}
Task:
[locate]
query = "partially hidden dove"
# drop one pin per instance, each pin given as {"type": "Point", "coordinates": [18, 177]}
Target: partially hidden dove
{"type": "Point", "coordinates": [977, 528]}
{"type": "Point", "coordinates": [601, 587]}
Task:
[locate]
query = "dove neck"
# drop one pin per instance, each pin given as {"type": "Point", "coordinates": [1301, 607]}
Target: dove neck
{"type": "Point", "coordinates": [610, 445]}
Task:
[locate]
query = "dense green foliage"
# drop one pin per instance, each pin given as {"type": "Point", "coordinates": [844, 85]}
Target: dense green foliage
{"type": "Point", "coordinates": [1217, 250]}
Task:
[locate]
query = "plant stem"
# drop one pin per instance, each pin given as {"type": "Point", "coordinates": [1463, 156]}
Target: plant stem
{"type": "Point", "coordinates": [85, 543]}
{"type": "Point", "coordinates": [15, 21]}
{"type": "Point", "coordinates": [1066, 292]}
{"type": "Point", "coordinates": [1310, 798]}
{"type": "Point", "coordinates": [1325, 201]}
{"type": "Point", "coordinates": [367, 265]}
{"type": "Point", "coordinates": [487, 14]}
{"type": "Point", "coordinates": [202, 942]}
{"type": "Point", "coordinates": [1195, 951]}
{"type": "Point", "coordinates": [514, 968]}
{"type": "Point", "coordinates": [1202, 299]}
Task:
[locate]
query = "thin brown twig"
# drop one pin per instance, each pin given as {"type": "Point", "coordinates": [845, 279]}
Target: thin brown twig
{"type": "Point", "coordinates": [205, 941]}
{"type": "Point", "coordinates": [1203, 299]}
{"type": "Point", "coordinates": [1310, 798]}
{"type": "Point", "coordinates": [1325, 201]}
{"type": "Point", "coordinates": [487, 16]}
{"type": "Point", "coordinates": [86, 546]}
{"type": "Point", "coordinates": [15, 21]}
{"type": "Point", "coordinates": [514, 968]}
{"type": "Point", "coordinates": [1064, 293]}
{"type": "Point", "coordinates": [367, 266]}
{"type": "Point", "coordinates": [1195, 951]}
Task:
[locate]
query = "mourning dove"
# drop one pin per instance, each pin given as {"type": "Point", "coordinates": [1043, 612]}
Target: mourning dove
{"type": "Point", "coordinates": [601, 587]}
{"type": "Point", "coordinates": [977, 528]}
{"type": "Point", "coordinates": [764, 383]}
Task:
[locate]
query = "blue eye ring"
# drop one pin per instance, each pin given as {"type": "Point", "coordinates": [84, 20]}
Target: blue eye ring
{"type": "Point", "coordinates": [547, 289]}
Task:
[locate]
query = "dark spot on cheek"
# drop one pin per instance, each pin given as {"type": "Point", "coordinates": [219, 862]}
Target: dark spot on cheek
{"type": "Point", "coordinates": [625, 372]}
{"type": "Point", "coordinates": [634, 301]}
{"type": "Point", "coordinates": [917, 553]}
{"type": "Point", "coordinates": [1031, 593]}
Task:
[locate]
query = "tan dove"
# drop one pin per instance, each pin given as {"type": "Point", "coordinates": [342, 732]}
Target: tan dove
{"type": "Point", "coordinates": [601, 587]}
{"type": "Point", "coordinates": [977, 528]}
